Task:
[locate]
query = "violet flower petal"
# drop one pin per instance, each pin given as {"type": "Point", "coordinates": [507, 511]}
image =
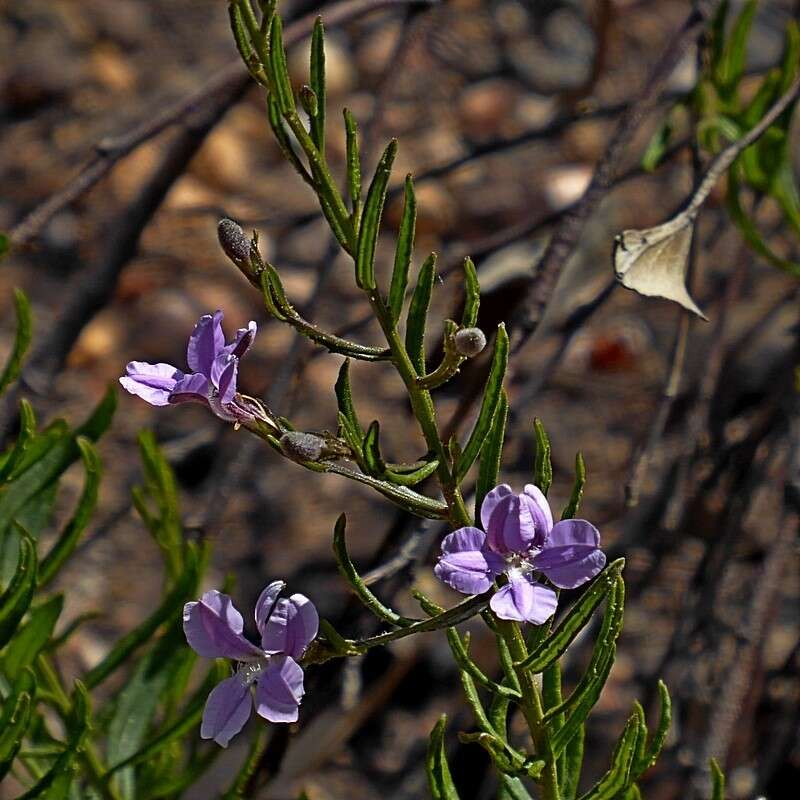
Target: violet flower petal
{"type": "Point", "coordinates": [572, 554]}
{"type": "Point", "coordinates": [227, 710]}
{"type": "Point", "coordinates": [491, 500]}
{"type": "Point", "coordinates": [293, 625]}
{"type": "Point", "coordinates": [242, 341]}
{"type": "Point", "coordinates": [213, 628]}
{"type": "Point", "coordinates": [151, 382]}
{"type": "Point", "coordinates": [205, 343]}
{"type": "Point", "coordinates": [192, 387]}
{"type": "Point", "coordinates": [516, 524]}
{"type": "Point", "coordinates": [266, 601]}
{"type": "Point", "coordinates": [523, 601]}
{"type": "Point", "coordinates": [544, 516]}
{"type": "Point", "coordinates": [223, 375]}
{"type": "Point", "coordinates": [280, 690]}
{"type": "Point", "coordinates": [466, 564]}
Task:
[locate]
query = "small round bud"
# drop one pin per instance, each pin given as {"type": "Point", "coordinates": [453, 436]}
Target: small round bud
{"type": "Point", "coordinates": [302, 446]}
{"type": "Point", "coordinates": [470, 341]}
{"type": "Point", "coordinates": [233, 241]}
{"type": "Point", "coordinates": [308, 99]}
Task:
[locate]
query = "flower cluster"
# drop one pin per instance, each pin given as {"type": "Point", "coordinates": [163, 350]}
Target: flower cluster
{"type": "Point", "coordinates": [213, 628]}
{"type": "Point", "coordinates": [212, 381]}
{"type": "Point", "coordinates": [521, 543]}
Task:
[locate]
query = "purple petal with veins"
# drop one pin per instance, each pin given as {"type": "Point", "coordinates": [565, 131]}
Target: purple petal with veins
{"type": "Point", "coordinates": [151, 382]}
{"type": "Point", "coordinates": [227, 710]}
{"type": "Point", "coordinates": [280, 690]}
{"type": "Point", "coordinates": [205, 343]}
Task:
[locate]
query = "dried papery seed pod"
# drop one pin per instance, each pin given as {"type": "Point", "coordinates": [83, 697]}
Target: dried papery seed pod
{"type": "Point", "coordinates": [470, 341]}
{"type": "Point", "coordinates": [302, 446]}
{"type": "Point", "coordinates": [234, 242]}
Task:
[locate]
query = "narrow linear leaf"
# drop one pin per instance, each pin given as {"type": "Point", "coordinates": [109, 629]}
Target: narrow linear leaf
{"type": "Point", "coordinates": [574, 503]}
{"type": "Point", "coordinates": [717, 780]}
{"type": "Point", "coordinates": [414, 477]}
{"type": "Point", "coordinates": [353, 162]}
{"type": "Point", "coordinates": [317, 82]}
{"type": "Point", "coordinates": [15, 718]}
{"type": "Point", "coordinates": [652, 751]}
{"type": "Point", "coordinates": [69, 537]}
{"type": "Point", "coordinates": [512, 789]}
{"type": "Point", "coordinates": [460, 652]}
{"type": "Point", "coordinates": [344, 400]}
{"type": "Point", "coordinates": [616, 780]}
{"type": "Point", "coordinates": [79, 726]}
{"type": "Point", "coordinates": [491, 454]}
{"type": "Point", "coordinates": [543, 468]}
{"type": "Point", "coordinates": [287, 148]}
{"type": "Point", "coordinates": [440, 781]}
{"type": "Point", "coordinates": [27, 435]}
{"type": "Point", "coordinates": [16, 599]}
{"type": "Point", "coordinates": [472, 295]}
{"type": "Point", "coordinates": [22, 340]}
{"type": "Point", "coordinates": [372, 451]}
{"type": "Point", "coordinates": [279, 72]}
{"type": "Point", "coordinates": [572, 764]}
{"type": "Point", "coordinates": [555, 645]}
{"type": "Point", "coordinates": [350, 574]}
{"type": "Point", "coordinates": [32, 636]}
{"type": "Point", "coordinates": [418, 313]}
{"type": "Point", "coordinates": [404, 251]}
{"type": "Point", "coordinates": [489, 405]}
{"type": "Point", "coordinates": [371, 220]}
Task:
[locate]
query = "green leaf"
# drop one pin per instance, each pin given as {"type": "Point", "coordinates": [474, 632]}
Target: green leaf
{"type": "Point", "coordinates": [651, 752]}
{"type": "Point", "coordinates": [616, 780]}
{"type": "Point", "coordinates": [472, 295]}
{"type": "Point", "coordinates": [372, 450]}
{"type": "Point", "coordinates": [734, 54]}
{"type": "Point", "coordinates": [32, 636]}
{"type": "Point", "coordinates": [571, 508]}
{"type": "Point", "coordinates": [555, 645]}
{"type": "Point", "coordinates": [161, 492]}
{"type": "Point", "coordinates": [460, 650]}
{"type": "Point", "coordinates": [543, 468]}
{"type": "Point", "coordinates": [439, 779]}
{"type": "Point", "coordinates": [287, 148]}
{"type": "Point", "coordinates": [601, 654]}
{"type": "Point", "coordinates": [136, 706]}
{"type": "Point", "coordinates": [27, 435]}
{"type": "Point", "coordinates": [415, 476]}
{"type": "Point", "coordinates": [491, 454]}
{"type": "Point", "coordinates": [5, 244]}
{"type": "Point", "coordinates": [551, 692]}
{"type": "Point", "coordinates": [16, 599]}
{"type": "Point", "coordinates": [169, 609]}
{"type": "Point", "coordinates": [404, 251]}
{"type": "Point", "coordinates": [15, 718]}
{"type": "Point", "coordinates": [572, 764]}
{"type": "Point", "coordinates": [418, 313]}
{"type": "Point", "coordinates": [512, 789]}
{"type": "Point", "coordinates": [99, 420]}
{"type": "Point", "coordinates": [78, 727]}
{"type": "Point", "coordinates": [371, 220]}
{"type": "Point", "coordinates": [353, 162]}
{"type": "Point", "coordinates": [280, 83]}
{"type": "Point", "coordinates": [350, 574]}
{"type": "Point", "coordinates": [69, 537]}
{"type": "Point", "coordinates": [22, 340]}
{"type": "Point", "coordinates": [657, 146]}
{"type": "Point", "coordinates": [344, 399]}
{"type": "Point", "coordinates": [490, 404]}
{"type": "Point", "coordinates": [317, 82]}
{"type": "Point", "coordinates": [717, 781]}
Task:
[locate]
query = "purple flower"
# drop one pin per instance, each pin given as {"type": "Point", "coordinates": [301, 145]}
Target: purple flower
{"type": "Point", "coordinates": [522, 543]}
{"type": "Point", "coordinates": [213, 628]}
{"type": "Point", "coordinates": [212, 381]}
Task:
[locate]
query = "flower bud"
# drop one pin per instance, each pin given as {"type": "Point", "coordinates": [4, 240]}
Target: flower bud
{"type": "Point", "coordinates": [470, 341]}
{"type": "Point", "coordinates": [308, 99]}
{"type": "Point", "coordinates": [302, 446]}
{"type": "Point", "coordinates": [234, 242]}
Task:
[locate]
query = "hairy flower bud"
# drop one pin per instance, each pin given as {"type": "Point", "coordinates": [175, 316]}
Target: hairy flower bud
{"type": "Point", "coordinates": [302, 446]}
{"type": "Point", "coordinates": [234, 242]}
{"type": "Point", "coordinates": [470, 341]}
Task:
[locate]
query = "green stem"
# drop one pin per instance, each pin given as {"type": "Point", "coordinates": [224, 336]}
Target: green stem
{"type": "Point", "coordinates": [63, 704]}
{"type": "Point", "coordinates": [532, 709]}
{"type": "Point", "coordinates": [424, 411]}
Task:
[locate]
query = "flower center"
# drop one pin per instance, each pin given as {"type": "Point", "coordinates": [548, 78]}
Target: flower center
{"type": "Point", "coordinates": [519, 564]}
{"type": "Point", "coordinates": [250, 671]}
